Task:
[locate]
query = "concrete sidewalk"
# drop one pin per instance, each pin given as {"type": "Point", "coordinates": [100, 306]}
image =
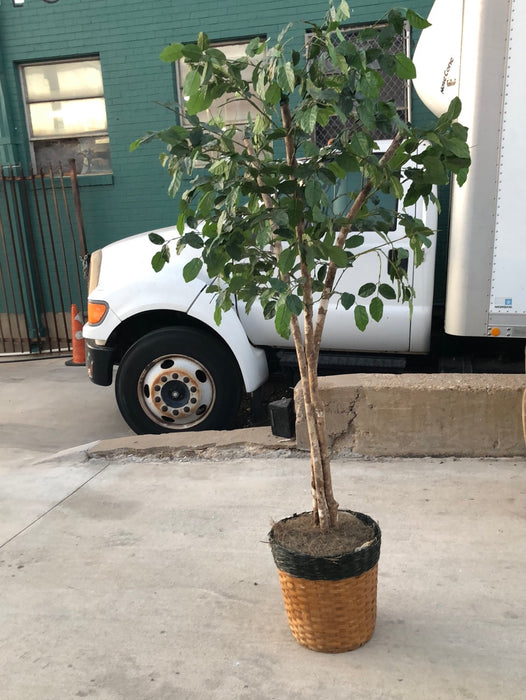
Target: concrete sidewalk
{"type": "Point", "coordinates": [140, 578]}
{"type": "Point", "coordinates": [137, 568]}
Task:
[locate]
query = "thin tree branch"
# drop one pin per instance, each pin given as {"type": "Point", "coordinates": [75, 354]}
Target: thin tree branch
{"type": "Point", "coordinates": [358, 203]}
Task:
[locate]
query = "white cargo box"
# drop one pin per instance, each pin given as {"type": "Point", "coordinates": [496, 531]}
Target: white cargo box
{"type": "Point", "coordinates": [474, 50]}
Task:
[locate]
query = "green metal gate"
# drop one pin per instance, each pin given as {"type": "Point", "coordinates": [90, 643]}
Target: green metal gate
{"type": "Point", "coordinates": [42, 259]}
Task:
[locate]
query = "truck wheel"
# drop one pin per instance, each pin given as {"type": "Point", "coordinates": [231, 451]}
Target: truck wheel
{"type": "Point", "coordinates": [178, 379]}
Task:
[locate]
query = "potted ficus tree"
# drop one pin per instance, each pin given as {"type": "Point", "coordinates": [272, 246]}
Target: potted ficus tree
{"type": "Point", "coordinates": [272, 217]}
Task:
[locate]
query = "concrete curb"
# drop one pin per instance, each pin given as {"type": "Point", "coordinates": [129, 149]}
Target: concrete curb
{"type": "Point", "coordinates": [416, 415]}
{"type": "Point", "coordinates": [69, 453]}
{"type": "Point", "coordinates": [369, 415]}
{"type": "Point", "coordinates": [207, 444]}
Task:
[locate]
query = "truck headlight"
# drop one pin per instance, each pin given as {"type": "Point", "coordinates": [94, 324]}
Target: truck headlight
{"type": "Point", "coordinates": [97, 311]}
{"type": "Point", "coordinates": [94, 269]}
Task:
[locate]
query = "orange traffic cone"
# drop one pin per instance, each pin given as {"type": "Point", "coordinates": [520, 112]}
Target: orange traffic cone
{"type": "Point", "coordinates": [77, 341]}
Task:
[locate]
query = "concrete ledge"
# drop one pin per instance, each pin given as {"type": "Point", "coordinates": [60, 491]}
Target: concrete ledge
{"type": "Point", "coordinates": [413, 415]}
{"type": "Point", "coordinates": [192, 445]}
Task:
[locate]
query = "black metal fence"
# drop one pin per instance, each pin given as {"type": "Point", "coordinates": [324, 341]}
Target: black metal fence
{"type": "Point", "coordinates": [42, 259]}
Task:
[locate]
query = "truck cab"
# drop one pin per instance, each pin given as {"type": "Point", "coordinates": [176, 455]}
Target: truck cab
{"type": "Point", "coordinates": [178, 370]}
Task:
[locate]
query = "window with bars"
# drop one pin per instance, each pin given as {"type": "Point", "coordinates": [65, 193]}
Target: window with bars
{"type": "Point", "coordinates": [66, 114]}
{"type": "Point", "coordinates": [394, 89]}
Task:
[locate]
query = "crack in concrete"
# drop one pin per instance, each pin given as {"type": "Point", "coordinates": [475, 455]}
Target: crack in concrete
{"type": "Point", "coordinates": [55, 505]}
{"type": "Point", "coordinates": [345, 438]}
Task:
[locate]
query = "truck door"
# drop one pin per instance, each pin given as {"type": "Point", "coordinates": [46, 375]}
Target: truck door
{"type": "Point", "coordinates": [398, 330]}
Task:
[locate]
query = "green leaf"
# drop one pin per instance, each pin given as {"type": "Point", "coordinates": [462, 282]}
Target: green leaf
{"type": "Point", "coordinates": [435, 171]}
{"type": "Point", "coordinates": [361, 144]}
{"type": "Point", "coordinates": [269, 310]}
{"type": "Point", "coordinates": [205, 204]}
{"type": "Point", "coordinates": [192, 52]}
{"type": "Point", "coordinates": [273, 94]}
{"type": "Point", "coordinates": [282, 320]}
{"type": "Point", "coordinates": [307, 119]}
{"type": "Point", "coordinates": [280, 217]}
{"type": "Point", "coordinates": [354, 241]}
{"type": "Point", "coordinates": [203, 41]}
{"type": "Point", "coordinates": [361, 317]}
{"type": "Point", "coordinates": [263, 237]}
{"type": "Point", "coordinates": [416, 20]}
{"type": "Point", "coordinates": [343, 12]}
{"type": "Point", "coordinates": [454, 109]}
{"type": "Point", "coordinates": [462, 176]}
{"type": "Point", "coordinates": [416, 191]}
{"type": "Point", "coordinates": [348, 162]}
{"type": "Point", "coordinates": [198, 102]}
{"type": "Point", "coordinates": [172, 53]}
{"type": "Point", "coordinates": [347, 300]}
{"type": "Point", "coordinates": [367, 289]}
{"type": "Point", "coordinates": [376, 309]}
{"type": "Point", "coordinates": [158, 261]}
{"type": "Point", "coordinates": [338, 256]}
{"type": "Point", "coordinates": [396, 187]}
{"type": "Point", "coordinates": [174, 135]}
{"type": "Point", "coordinates": [396, 20]}
{"type": "Point", "coordinates": [287, 260]}
{"type": "Point", "coordinates": [192, 269]}
{"type": "Point", "coordinates": [313, 192]}
{"type": "Point", "coordinates": [156, 239]}
{"type": "Point", "coordinates": [337, 169]}
{"type": "Point", "coordinates": [294, 304]}
{"type": "Point", "coordinates": [217, 55]}
{"type": "Point", "coordinates": [404, 67]}
{"type": "Point", "coordinates": [218, 314]}
{"type": "Point", "coordinates": [253, 46]}
{"type": "Point", "coordinates": [193, 239]}
{"type": "Point", "coordinates": [260, 124]}
{"type": "Point", "coordinates": [175, 184]}
{"type": "Point", "coordinates": [165, 252]}
{"type": "Point", "coordinates": [285, 77]}
{"type": "Point", "coordinates": [387, 291]}
{"type": "Point", "coordinates": [192, 82]}
{"type": "Point", "coordinates": [458, 147]}
{"type": "Point", "coordinates": [278, 285]}
{"type": "Point", "coordinates": [237, 283]}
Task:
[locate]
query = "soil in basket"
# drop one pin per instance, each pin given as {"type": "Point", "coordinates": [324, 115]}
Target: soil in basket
{"type": "Point", "coordinates": [300, 534]}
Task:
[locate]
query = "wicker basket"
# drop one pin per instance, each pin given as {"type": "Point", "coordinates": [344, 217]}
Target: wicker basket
{"type": "Point", "coordinates": [330, 602]}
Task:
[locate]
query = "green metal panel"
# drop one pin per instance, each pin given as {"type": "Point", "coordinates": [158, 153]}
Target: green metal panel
{"type": "Point", "coordinates": [6, 147]}
{"type": "Point", "coordinates": [128, 35]}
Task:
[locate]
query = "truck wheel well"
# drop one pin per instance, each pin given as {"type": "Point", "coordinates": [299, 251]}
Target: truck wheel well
{"type": "Point", "coordinates": [133, 328]}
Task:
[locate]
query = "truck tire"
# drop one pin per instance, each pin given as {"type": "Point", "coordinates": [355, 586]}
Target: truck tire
{"type": "Point", "coordinates": [177, 379]}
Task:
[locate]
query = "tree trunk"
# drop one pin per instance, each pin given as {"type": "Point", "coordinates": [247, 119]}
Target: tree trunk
{"type": "Point", "coordinates": [325, 507]}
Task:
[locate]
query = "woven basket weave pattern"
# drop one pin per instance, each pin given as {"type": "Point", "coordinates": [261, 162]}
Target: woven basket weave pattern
{"type": "Point", "coordinates": [331, 616]}
{"type": "Point", "coordinates": [330, 601]}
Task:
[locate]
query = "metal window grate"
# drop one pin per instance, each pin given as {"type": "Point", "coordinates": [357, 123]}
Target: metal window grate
{"type": "Point", "coordinates": [394, 90]}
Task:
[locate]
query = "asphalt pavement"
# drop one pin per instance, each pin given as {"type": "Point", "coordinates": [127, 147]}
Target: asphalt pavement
{"type": "Point", "coordinates": [135, 569]}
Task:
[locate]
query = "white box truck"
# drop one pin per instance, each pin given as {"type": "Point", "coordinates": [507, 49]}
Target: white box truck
{"type": "Point", "coordinates": [474, 50]}
{"type": "Point", "coordinates": [178, 370]}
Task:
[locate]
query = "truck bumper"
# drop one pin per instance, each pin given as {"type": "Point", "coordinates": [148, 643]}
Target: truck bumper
{"type": "Point", "coordinates": [99, 361]}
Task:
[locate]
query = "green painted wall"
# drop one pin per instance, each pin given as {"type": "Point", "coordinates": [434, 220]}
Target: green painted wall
{"type": "Point", "coordinates": [129, 35]}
